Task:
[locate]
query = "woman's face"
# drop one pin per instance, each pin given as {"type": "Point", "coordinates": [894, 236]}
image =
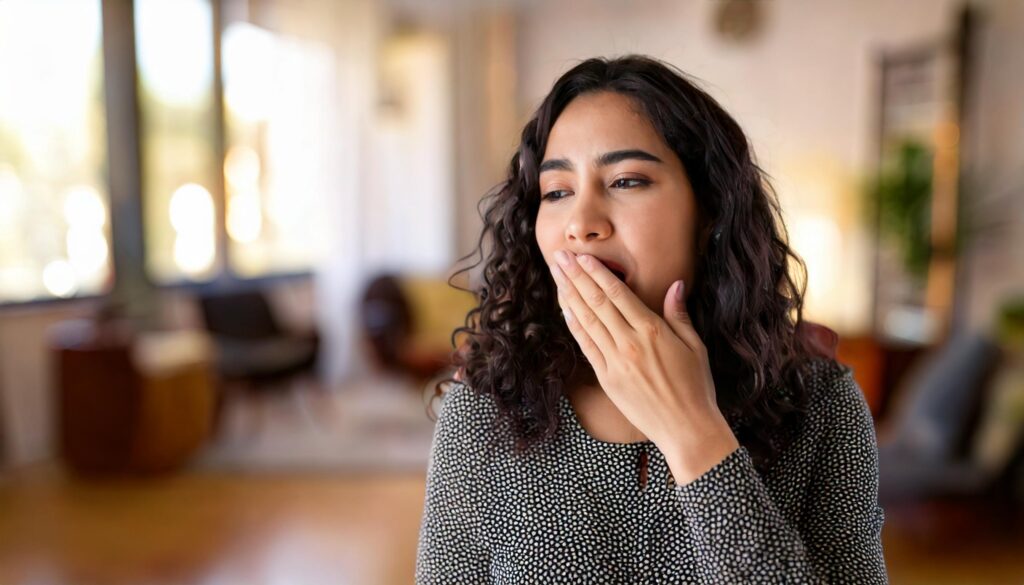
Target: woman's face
{"type": "Point", "coordinates": [612, 188]}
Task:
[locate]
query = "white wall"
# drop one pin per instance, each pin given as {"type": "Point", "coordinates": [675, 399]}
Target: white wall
{"type": "Point", "coordinates": [410, 199]}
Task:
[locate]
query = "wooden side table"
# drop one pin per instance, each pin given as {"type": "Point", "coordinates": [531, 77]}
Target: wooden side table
{"type": "Point", "coordinates": [131, 401]}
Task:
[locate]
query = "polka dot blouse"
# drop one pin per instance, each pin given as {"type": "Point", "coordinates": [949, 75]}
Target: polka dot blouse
{"type": "Point", "coordinates": [581, 510]}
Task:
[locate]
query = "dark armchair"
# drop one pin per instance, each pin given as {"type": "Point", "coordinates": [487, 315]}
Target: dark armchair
{"type": "Point", "coordinates": [254, 349]}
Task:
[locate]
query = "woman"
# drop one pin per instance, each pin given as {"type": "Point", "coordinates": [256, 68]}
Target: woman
{"type": "Point", "coordinates": [639, 399]}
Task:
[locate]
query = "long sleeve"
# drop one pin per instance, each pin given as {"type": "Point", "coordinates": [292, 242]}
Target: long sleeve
{"type": "Point", "coordinates": [450, 546]}
{"type": "Point", "coordinates": [741, 536]}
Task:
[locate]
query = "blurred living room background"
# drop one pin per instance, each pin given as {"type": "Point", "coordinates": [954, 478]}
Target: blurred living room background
{"type": "Point", "coordinates": [227, 229]}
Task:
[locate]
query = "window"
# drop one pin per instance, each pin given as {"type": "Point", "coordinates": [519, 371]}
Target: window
{"type": "Point", "coordinates": [278, 108]}
{"type": "Point", "coordinates": [234, 171]}
{"type": "Point", "coordinates": [276, 100]}
{"type": "Point", "coordinates": [178, 126]}
{"type": "Point", "coordinates": [54, 201]}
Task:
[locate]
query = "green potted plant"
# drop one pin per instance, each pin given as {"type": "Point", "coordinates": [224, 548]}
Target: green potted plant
{"type": "Point", "coordinates": [901, 199]}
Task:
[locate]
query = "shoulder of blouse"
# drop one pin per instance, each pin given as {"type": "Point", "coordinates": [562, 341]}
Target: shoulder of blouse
{"type": "Point", "coordinates": [468, 402]}
{"type": "Point", "coordinates": [467, 415]}
{"type": "Point", "coordinates": [832, 386]}
{"type": "Point", "coordinates": [838, 409]}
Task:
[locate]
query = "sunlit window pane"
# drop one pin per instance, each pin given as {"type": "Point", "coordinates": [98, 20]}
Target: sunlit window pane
{"type": "Point", "coordinates": [278, 99]}
{"type": "Point", "coordinates": [54, 203]}
{"type": "Point", "coordinates": [174, 43]}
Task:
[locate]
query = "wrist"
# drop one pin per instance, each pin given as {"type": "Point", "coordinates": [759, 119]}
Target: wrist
{"type": "Point", "coordinates": [692, 456]}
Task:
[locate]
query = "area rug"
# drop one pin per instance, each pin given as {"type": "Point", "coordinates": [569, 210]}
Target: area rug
{"type": "Point", "coordinates": [375, 425]}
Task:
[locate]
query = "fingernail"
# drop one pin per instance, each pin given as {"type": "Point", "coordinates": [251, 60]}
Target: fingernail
{"type": "Point", "coordinates": [679, 291]}
{"type": "Point", "coordinates": [562, 257]}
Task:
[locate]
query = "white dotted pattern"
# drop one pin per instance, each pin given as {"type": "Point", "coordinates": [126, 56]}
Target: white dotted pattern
{"type": "Point", "coordinates": [574, 510]}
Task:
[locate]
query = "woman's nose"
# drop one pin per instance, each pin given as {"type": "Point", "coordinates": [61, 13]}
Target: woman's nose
{"type": "Point", "coordinates": [589, 220]}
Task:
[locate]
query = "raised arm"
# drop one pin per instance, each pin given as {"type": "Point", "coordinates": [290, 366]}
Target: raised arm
{"type": "Point", "coordinates": [743, 537]}
{"type": "Point", "coordinates": [450, 542]}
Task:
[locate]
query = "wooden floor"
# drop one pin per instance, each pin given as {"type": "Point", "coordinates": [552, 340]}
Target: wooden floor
{"type": "Point", "coordinates": [209, 528]}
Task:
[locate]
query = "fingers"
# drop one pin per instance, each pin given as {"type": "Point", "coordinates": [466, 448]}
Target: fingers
{"type": "Point", "coordinates": [679, 319]}
{"type": "Point", "coordinates": [590, 349]}
{"type": "Point", "coordinates": [627, 305]}
{"type": "Point", "coordinates": [586, 319]}
{"type": "Point", "coordinates": [589, 299]}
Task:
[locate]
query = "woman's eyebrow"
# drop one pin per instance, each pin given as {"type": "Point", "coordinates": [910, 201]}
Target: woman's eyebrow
{"type": "Point", "coordinates": [608, 158]}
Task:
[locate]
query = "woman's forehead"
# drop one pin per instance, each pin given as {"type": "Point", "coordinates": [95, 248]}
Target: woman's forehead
{"type": "Point", "coordinates": [593, 124]}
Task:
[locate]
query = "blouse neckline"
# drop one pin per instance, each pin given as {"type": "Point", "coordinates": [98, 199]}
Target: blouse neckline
{"type": "Point", "coordinates": [577, 430]}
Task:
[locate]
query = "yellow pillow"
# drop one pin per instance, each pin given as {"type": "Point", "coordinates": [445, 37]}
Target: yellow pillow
{"type": "Point", "coordinates": [437, 309]}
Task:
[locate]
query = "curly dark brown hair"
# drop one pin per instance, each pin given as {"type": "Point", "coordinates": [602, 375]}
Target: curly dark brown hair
{"type": "Point", "coordinates": [744, 302]}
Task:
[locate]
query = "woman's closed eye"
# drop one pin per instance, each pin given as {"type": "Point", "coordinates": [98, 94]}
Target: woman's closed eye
{"type": "Point", "coordinates": [624, 183]}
